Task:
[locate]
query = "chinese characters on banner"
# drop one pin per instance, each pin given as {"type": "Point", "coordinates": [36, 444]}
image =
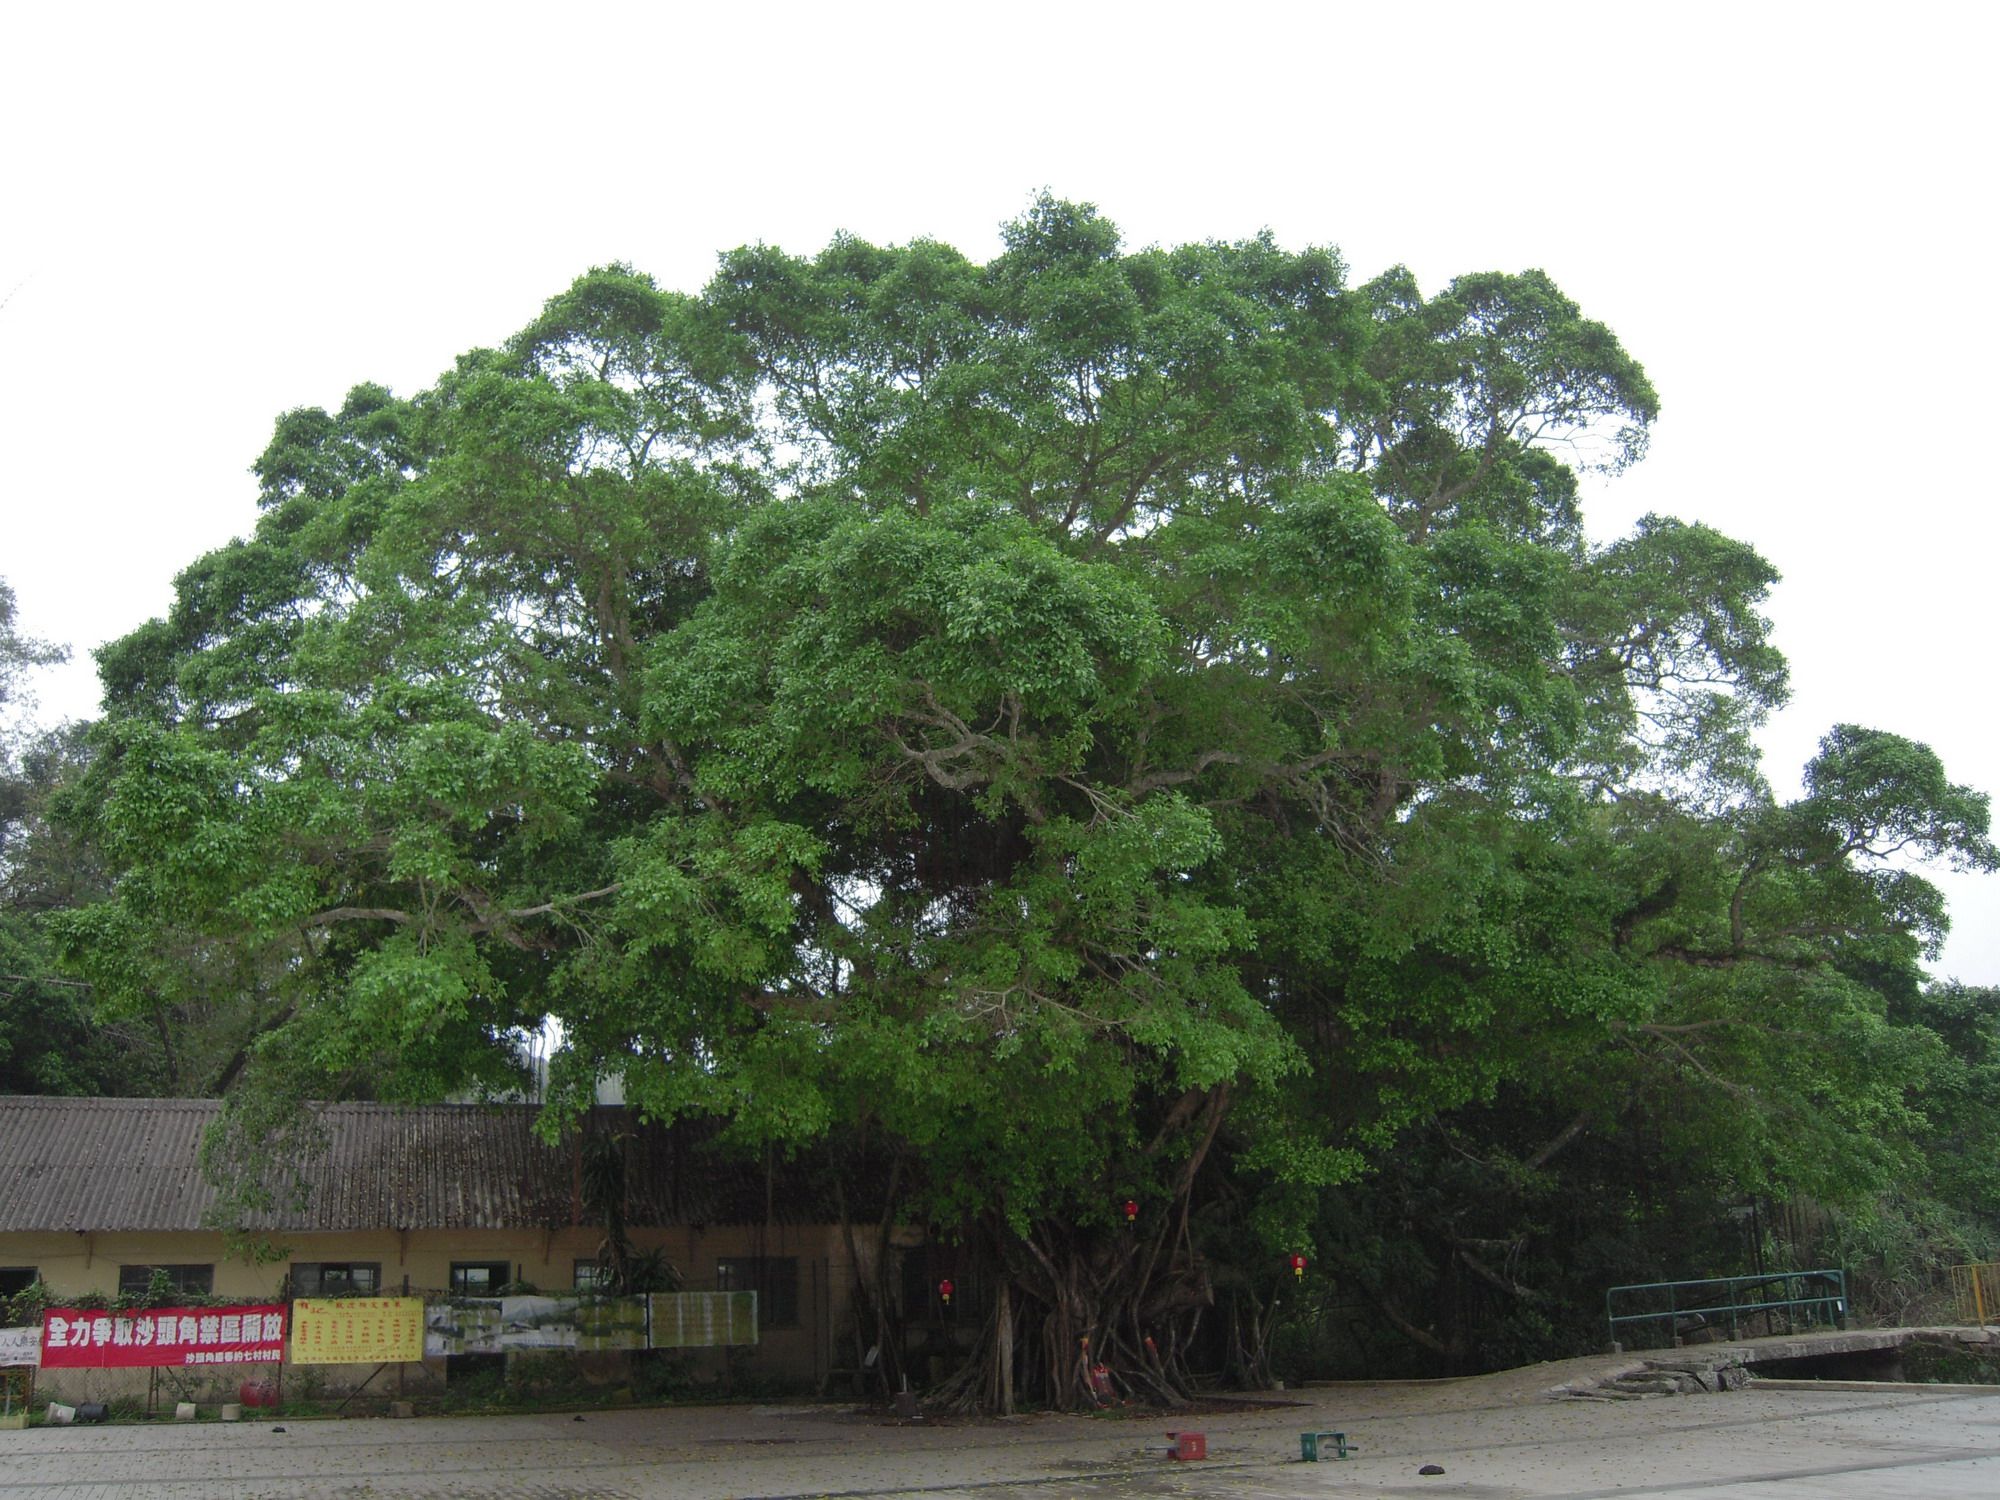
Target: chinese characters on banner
{"type": "Point", "coordinates": [79, 1338]}
{"type": "Point", "coordinates": [357, 1330]}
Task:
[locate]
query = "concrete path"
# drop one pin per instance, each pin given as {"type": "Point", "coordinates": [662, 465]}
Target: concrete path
{"type": "Point", "coordinates": [1497, 1437]}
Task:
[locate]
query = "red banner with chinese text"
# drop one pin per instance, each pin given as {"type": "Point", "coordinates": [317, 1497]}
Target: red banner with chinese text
{"type": "Point", "coordinates": [79, 1338]}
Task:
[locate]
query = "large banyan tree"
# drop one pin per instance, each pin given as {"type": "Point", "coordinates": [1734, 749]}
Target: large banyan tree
{"type": "Point", "coordinates": [1096, 727]}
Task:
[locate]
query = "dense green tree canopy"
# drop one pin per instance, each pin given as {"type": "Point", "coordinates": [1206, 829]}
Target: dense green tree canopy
{"type": "Point", "coordinates": [53, 1038]}
{"type": "Point", "coordinates": [1075, 718]}
{"type": "Point", "coordinates": [47, 1043]}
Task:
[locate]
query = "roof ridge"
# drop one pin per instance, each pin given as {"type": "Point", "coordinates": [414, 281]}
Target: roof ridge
{"type": "Point", "coordinates": [117, 1101]}
{"type": "Point", "coordinates": [167, 1101]}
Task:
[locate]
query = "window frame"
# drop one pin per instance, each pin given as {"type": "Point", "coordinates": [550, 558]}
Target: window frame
{"type": "Point", "coordinates": [319, 1268]}
{"type": "Point", "coordinates": [457, 1284]}
{"type": "Point", "coordinates": [136, 1279]}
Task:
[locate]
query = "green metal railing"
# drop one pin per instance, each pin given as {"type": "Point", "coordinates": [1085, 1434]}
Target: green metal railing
{"type": "Point", "coordinates": [1809, 1299]}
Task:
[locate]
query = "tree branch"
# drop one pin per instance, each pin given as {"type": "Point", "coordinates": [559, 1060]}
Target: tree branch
{"type": "Point", "coordinates": [1563, 1137]}
{"type": "Point", "coordinates": [356, 914]}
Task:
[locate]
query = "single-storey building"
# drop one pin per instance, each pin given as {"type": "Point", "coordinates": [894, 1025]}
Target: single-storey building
{"type": "Point", "coordinates": [104, 1195]}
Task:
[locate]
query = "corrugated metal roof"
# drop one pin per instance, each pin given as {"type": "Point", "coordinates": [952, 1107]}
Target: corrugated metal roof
{"type": "Point", "coordinates": [126, 1164]}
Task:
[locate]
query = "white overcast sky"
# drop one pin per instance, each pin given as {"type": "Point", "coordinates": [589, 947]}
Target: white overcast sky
{"type": "Point", "coordinates": [211, 215]}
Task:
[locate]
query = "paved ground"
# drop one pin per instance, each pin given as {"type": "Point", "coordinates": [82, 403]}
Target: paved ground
{"type": "Point", "coordinates": [1497, 1437]}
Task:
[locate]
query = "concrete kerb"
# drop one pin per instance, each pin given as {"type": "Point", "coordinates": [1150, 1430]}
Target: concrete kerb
{"type": "Point", "coordinates": [1594, 1373]}
{"type": "Point", "coordinates": [1899, 1387]}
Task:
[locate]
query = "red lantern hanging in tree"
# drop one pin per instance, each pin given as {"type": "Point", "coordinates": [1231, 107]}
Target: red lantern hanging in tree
{"type": "Point", "coordinates": [1298, 1264]}
{"type": "Point", "coordinates": [1131, 1210]}
{"type": "Point", "coordinates": [945, 1289]}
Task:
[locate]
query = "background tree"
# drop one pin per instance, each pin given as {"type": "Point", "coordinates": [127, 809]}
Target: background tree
{"type": "Point", "coordinates": [19, 654]}
{"type": "Point", "coordinates": [47, 1044]}
{"type": "Point", "coordinates": [53, 1038]}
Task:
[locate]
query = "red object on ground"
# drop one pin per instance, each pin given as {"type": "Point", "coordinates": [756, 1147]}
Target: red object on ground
{"type": "Point", "coordinates": [1188, 1445]}
{"type": "Point", "coordinates": [257, 1393]}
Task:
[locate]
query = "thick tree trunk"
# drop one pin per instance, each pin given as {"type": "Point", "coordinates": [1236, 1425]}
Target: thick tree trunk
{"type": "Point", "coordinates": [1069, 1299]}
{"type": "Point", "coordinates": [1100, 1302]}
{"type": "Point", "coordinates": [871, 1299]}
{"type": "Point", "coordinates": [1003, 1316]}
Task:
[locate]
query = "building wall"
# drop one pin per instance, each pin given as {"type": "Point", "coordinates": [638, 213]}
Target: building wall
{"type": "Point", "coordinates": [417, 1260]}
{"type": "Point", "coordinates": [420, 1261]}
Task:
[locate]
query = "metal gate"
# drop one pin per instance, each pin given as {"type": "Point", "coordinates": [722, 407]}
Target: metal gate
{"type": "Point", "coordinates": [1977, 1288]}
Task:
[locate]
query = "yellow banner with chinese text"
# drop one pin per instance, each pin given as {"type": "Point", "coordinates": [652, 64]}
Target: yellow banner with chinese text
{"type": "Point", "coordinates": [357, 1330]}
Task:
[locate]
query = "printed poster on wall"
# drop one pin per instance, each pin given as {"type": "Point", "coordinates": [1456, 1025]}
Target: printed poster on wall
{"type": "Point", "coordinates": [85, 1339]}
{"type": "Point", "coordinates": [504, 1325]}
{"type": "Point", "coordinates": [703, 1320]}
{"type": "Point", "coordinates": [20, 1346]}
{"type": "Point", "coordinates": [357, 1330]}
